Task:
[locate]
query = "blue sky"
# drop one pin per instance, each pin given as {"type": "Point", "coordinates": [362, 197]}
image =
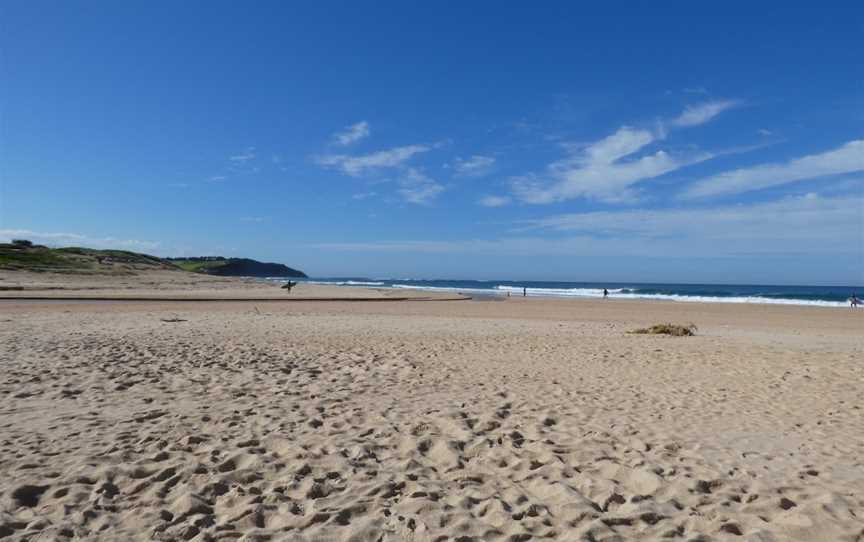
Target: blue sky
{"type": "Point", "coordinates": [656, 142]}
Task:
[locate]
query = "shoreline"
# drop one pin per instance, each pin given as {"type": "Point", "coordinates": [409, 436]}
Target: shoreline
{"type": "Point", "coordinates": [18, 284]}
{"type": "Point", "coordinates": [613, 296]}
{"type": "Point", "coordinates": [336, 293]}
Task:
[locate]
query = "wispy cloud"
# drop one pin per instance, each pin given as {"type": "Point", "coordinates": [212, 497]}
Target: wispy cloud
{"type": "Point", "coordinates": [607, 169]}
{"type": "Point", "coordinates": [598, 171]}
{"type": "Point", "coordinates": [245, 156]}
{"type": "Point", "coordinates": [217, 178]}
{"type": "Point", "coordinates": [825, 217]}
{"type": "Point", "coordinates": [702, 113]}
{"type": "Point", "coordinates": [278, 162]}
{"type": "Point", "coordinates": [76, 239]}
{"type": "Point", "coordinates": [473, 166]}
{"type": "Point", "coordinates": [848, 158]}
{"type": "Point", "coordinates": [773, 228]}
{"type": "Point", "coordinates": [416, 187]}
{"type": "Point", "coordinates": [352, 134]}
{"type": "Point", "coordinates": [357, 165]}
{"type": "Point", "coordinates": [494, 201]}
{"type": "Point", "coordinates": [413, 184]}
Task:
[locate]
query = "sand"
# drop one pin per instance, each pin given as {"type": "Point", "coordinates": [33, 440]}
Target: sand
{"type": "Point", "coordinates": [173, 286]}
{"type": "Point", "coordinates": [521, 419]}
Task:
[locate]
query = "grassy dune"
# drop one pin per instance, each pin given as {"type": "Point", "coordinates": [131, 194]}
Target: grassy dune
{"type": "Point", "coordinates": [29, 257]}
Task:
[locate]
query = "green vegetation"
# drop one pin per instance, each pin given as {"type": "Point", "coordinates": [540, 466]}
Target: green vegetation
{"type": "Point", "coordinates": [37, 257]}
{"type": "Point", "coordinates": [668, 329]}
{"type": "Point", "coordinates": [198, 266]}
{"type": "Point", "coordinates": [24, 255]}
{"type": "Point", "coordinates": [21, 254]}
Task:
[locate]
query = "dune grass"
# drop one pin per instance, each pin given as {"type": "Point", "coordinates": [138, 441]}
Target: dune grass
{"type": "Point", "coordinates": [23, 255]}
{"type": "Point", "coordinates": [199, 266]}
{"type": "Point", "coordinates": [12, 257]}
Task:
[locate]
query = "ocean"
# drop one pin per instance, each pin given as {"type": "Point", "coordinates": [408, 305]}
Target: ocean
{"type": "Point", "coordinates": [824, 296]}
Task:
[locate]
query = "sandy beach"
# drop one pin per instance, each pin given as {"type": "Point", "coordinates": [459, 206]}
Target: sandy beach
{"type": "Point", "coordinates": [469, 420]}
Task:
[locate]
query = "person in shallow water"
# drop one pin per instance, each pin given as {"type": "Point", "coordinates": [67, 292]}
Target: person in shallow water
{"type": "Point", "coordinates": [854, 301]}
{"type": "Point", "coordinates": [605, 293]}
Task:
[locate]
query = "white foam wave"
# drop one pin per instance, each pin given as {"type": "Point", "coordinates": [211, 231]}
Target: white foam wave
{"type": "Point", "coordinates": [595, 293]}
{"type": "Point", "coordinates": [622, 293]}
{"type": "Point", "coordinates": [559, 292]}
{"type": "Point", "coordinates": [478, 291]}
{"type": "Point", "coordinates": [345, 282]}
{"type": "Point", "coordinates": [734, 299]}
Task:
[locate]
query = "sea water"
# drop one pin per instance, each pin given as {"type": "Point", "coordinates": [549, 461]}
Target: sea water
{"type": "Point", "coordinates": [825, 296]}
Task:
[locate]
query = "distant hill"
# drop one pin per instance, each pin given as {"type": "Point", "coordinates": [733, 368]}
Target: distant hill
{"type": "Point", "coordinates": [24, 255]}
{"type": "Point", "coordinates": [235, 267]}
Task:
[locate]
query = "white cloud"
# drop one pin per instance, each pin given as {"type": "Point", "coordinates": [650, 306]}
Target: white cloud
{"type": "Point", "coordinates": [357, 165]}
{"type": "Point", "coordinates": [417, 187]}
{"type": "Point", "coordinates": [217, 178]}
{"type": "Point", "coordinates": [352, 134]}
{"type": "Point", "coordinates": [598, 171]}
{"type": "Point", "coordinates": [414, 186]}
{"type": "Point", "coordinates": [494, 201]}
{"type": "Point", "coordinates": [810, 225]}
{"type": "Point", "coordinates": [702, 113]}
{"type": "Point", "coordinates": [474, 166]}
{"type": "Point", "coordinates": [607, 169]}
{"type": "Point", "coordinates": [245, 156]}
{"type": "Point", "coordinates": [363, 195]}
{"type": "Point", "coordinates": [622, 143]}
{"type": "Point", "coordinates": [76, 239]}
{"type": "Point", "coordinates": [794, 218]}
{"type": "Point", "coordinates": [764, 132]}
{"type": "Point", "coordinates": [848, 158]}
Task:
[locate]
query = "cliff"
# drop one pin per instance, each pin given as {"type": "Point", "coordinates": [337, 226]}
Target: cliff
{"type": "Point", "coordinates": [235, 267]}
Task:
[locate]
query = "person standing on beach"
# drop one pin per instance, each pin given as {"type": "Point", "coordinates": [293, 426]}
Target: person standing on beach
{"type": "Point", "coordinates": [605, 293]}
{"type": "Point", "coordinates": [854, 301]}
{"type": "Point", "coordinates": [524, 291]}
